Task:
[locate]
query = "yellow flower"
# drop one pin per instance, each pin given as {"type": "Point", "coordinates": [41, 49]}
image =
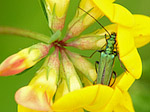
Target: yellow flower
{"type": "Point", "coordinates": [38, 95]}
{"type": "Point", "coordinates": [56, 12]}
{"type": "Point", "coordinates": [140, 30]}
{"type": "Point", "coordinates": [128, 39]}
{"type": "Point", "coordinates": [24, 59]}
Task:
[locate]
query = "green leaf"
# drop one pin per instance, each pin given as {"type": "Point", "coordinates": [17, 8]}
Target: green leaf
{"type": "Point", "coordinates": [43, 5]}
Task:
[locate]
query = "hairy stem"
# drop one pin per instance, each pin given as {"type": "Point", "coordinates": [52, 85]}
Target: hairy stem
{"type": "Point", "coordinates": [24, 33]}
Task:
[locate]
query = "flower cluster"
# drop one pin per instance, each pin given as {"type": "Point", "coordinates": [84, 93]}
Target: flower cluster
{"type": "Point", "coordinates": [68, 83]}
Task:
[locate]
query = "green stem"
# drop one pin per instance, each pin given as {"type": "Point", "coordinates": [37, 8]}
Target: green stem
{"type": "Point", "coordinates": [24, 33]}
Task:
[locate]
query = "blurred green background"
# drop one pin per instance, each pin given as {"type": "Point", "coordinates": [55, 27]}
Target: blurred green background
{"type": "Point", "coordinates": [27, 14]}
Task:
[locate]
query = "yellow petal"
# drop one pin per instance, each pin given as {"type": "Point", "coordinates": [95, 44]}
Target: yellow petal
{"type": "Point", "coordinates": [125, 40]}
{"type": "Point", "coordinates": [107, 103]}
{"type": "Point", "coordinates": [106, 7]}
{"type": "Point", "coordinates": [78, 110]}
{"type": "Point", "coordinates": [133, 64]}
{"type": "Point", "coordinates": [124, 81]}
{"type": "Point", "coordinates": [122, 16]}
{"type": "Point", "coordinates": [24, 109]}
{"type": "Point", "coordinates": [95, 12]}
{"type": "Point", "coordinates": [140, 41]}
{"type": "Point", "coordinates": [76, 99]}
{"type": "Point", "coordinates": [115, 99]}
{"type": "Point", "coordinates": [141, 30]}
{"type": "Point", "coordinates": [125, 104]}
{"type": "Point", "coordinates": [102, 98]}
{"type": "Point", "coordinates": [116, 13]}
{"type": "Point", "coordinates": [110, 28]}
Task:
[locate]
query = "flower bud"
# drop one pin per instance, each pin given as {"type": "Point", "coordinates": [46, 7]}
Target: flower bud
{"type": "Point", "coordinates": [86, 43]}
{"type": "Point", "coordinates": [83, 66]}
{"type": "Point", "coordinates": [72, 78]}
{"type": "Point", "coordinates": [24, 59]}
{"type": "Point", "coordinates": [38, 95]}
{"type": "Point", "coordinates": [82, 20]}
{"type": "Point", "coordinates": [56, 12]}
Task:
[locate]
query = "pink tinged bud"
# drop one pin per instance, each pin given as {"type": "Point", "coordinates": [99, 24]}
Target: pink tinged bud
{"type": "Point", "coordinates": [82, 20]}
{"type": "Point", "coordinates": [74, 30]}
{"type": "Point", "coordinates": [56, 12]}
{"type": "Point", "coordinates": [29, 98]}
{"type": "Point", "coordinates": [24, 59]}
{"type": "Point", "coordinates": [83, 66]}
{"type": "Point", "coordinates": [58, 23]}
{"type": "Point", "coordinates": [88, 42]}
{"type": "Point", "coordinates": [38, 95]}
{"type": "Point", "coordinates": [72, 78]}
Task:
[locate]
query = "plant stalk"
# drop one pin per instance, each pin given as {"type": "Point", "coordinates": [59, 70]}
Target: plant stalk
{"type": "Point", "coordinates": [24, 33]}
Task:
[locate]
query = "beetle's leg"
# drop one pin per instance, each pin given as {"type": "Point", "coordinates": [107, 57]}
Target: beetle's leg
{"type": "Point", "coordinates": [114, 79]}
{"type": "Point", "coordinates": [121, 64]}
{"type": "Point", "coordinates": [90, 55]}
{"type": "Point", "coordinates": [96, 62]}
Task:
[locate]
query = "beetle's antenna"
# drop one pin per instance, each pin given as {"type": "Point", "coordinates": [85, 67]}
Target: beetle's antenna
{"type": "Point", "coordinates": [96, 21]}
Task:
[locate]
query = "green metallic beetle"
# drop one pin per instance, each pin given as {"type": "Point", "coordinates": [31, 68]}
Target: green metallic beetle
{"type": "Point", "coordinates": [106, 62]}
{"type": "Point", "coordinates": [107, 58]}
